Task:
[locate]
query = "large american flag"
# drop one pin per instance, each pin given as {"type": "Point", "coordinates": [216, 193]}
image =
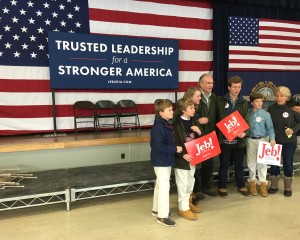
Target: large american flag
{"type": "Point", "coordinates": [25, 94]}
{"type": "Point", "coordinates": [263, 45]}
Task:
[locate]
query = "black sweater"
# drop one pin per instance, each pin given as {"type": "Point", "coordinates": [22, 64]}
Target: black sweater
{"type": "Point", "coordinates": [284, 117]}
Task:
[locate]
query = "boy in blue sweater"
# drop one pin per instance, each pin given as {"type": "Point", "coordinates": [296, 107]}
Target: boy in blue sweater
{"type": "Point", "coordinates": [163, 151]}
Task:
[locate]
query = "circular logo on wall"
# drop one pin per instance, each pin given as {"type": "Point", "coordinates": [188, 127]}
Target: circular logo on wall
{"type": "Point", "coordinates": [266, 88]}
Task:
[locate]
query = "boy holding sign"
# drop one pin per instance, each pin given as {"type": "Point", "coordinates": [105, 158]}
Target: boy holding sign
{"type": "Point", "coordinates": [186, 129]}
{"type": "Point", "coordinates": [261, 129]}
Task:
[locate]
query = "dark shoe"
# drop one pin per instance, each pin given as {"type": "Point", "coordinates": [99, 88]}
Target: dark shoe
{"type": "Point", "coordinates": [210, 192]}
{"type": "Point", "coordinates": [154, 214]}
{"type": "Point", "coordinates": [272, 190]}
{"type": "Point", "coordinates": [244, 191]}
{"type": "Point", "coordinates": [222, 192]}
{"type": "Point", "coordinates": [197, 197]}
{"type": "Point", "coordinates": [168, 222]}
{"type": "Point", "coordinates": [287, 193]}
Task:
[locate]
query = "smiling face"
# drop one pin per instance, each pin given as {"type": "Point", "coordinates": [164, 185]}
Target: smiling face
{"type": "Point", "coordinates": [196, 97]}
{"type": "Point", "coordinates": [207, 84]}
{"type": "Point", "coordinates": [281, 98]}
{"type": "Point", "coordinates": [167, 113]}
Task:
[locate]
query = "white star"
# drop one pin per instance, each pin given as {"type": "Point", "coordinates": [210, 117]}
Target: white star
{"type": "Point", "coordinates": [25, 46]}
{"type": "Point", "coordinates": [46, 39]}
{"type": "Point", "coordinates": [71, 31]}
{"type": "Point", "coordinates": [40, 30]}
{"type": "Point", "coordinates": [1, 37]}
{"type": "Point", "coordinates": [15, 20]}
{"type": "Point", "coordinates": [63, 23]}
{"type": "Point", "coordinates": [1, 54]}
{"type": "Point", "coordinates": [39, 13]}
{"type": "Point", "coordinates": [7, 28]}
{"type": "Point", "coordinates": [55, 30]}
{"type": "Point", "coordinates": [70, 16]}
{"type": "Point", "coordinates": [54, 15]}
{"type": "Point", "coordinates": [24, 29]}
{"type": "Point", "coordinates": [47, 55]}
{"type": "Point", "coordinates": [7, 45]}
{"type": "Point", "coordinates": [69, 1]}
{"type": "Point", "coordinates": [31, 21]}
{"type": "Point", "coordinates": [16, 37]}
{"type": "Point", "coordinates": [5, 10]}
{"type": "Point", "coordinates": [13, 2]}
{"type": "Point", "coordinates": [41, 47]}
{"type": "Point", "coordinates": [22, 12]}
{"type": "Point", "coordinates": [78, 24]}
{"type": "Point", "coordinates": [47, 22]}
{"type": "Point", "coordinates": [77, 8]}
{"type": "Point", "coordinates": [30, 4]}
{"type": "Point", "coordinates": [46, 5]}
{"type": "Point", "coordinates": [32, 38]}
{"type": "Point", "coordinates": [61, 7]}
{"type": "Point", "coordinates": [33, 55]}
{"type": "Point", "coordinates": [17, 54]}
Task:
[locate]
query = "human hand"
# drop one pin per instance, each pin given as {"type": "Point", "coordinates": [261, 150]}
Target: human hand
{"type": "Point", "coordinates": [272, 142]}
{"type": "Point", "coordinates": [289, 132]}
{"type": "Point", "coordinates": [187, 157]}
{"type": "Point", "coordinates": [196, 129]}
{"type": "Point", "coordinates": [203, 120]}
{"type": "Point", "coordinates": [178, 149]}
{"type": "Point", "coordinates": [241, 135]}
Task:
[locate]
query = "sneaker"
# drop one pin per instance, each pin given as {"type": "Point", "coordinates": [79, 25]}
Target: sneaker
{"type": "Point", "coordinates": [210, 192]}
{"type": "Point", "coordinates": [168, 222]}
{"type": "Point", "coordinates": [223, 192]}
{"type": "Point", "coordinates": [154, 214]}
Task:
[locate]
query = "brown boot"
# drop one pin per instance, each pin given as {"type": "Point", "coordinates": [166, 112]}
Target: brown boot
{"type": "Point", "coordinates": [274, 184]}
{"type": "Point", "coordinates": [194, 208]}
{"type": "Point", "coordinates": [263, 189]}
{"type": "Point", "coordinates": [189, 215]}
{"type": "Point", "coordinates": [252, 188]}
{"type": "Point", "coordinates": [288, 186]}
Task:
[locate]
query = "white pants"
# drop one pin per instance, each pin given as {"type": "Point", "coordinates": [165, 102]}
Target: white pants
{"type": "Point", "coordinates": [161, 191]}
{"type": "Point", "coordinates": [252, 147]}
{"type": "Point", "coordinates": [185, 184]}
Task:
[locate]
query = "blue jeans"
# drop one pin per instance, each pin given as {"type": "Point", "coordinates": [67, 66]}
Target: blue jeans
{"type": "Point", "coordinates": [288, 151]}
{"type": "Point", "coordinates": [236, 154]}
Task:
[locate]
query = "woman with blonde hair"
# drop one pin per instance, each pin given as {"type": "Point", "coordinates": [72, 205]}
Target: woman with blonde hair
{"type": "Point", "coordinates": [286, 124]}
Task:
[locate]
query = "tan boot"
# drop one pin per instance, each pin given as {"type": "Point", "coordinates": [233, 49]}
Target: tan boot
{"type": "Point", "coordinates": [288, 186]}
{"type": "Point", "coordinates": [189, 215]}
{"type": "Point", "coordinates": [263, 189]}
{"type": "Point", "coordinates": [194, 208]}
{"type": "Point", "coordinates": [252, 188]}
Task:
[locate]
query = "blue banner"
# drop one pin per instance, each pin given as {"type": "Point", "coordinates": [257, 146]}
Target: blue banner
{"type": "Point", "coordinates": [84, 61]}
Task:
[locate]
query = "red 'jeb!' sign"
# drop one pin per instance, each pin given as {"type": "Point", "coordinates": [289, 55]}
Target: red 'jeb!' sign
{"type": "Point", "coordinates": [203, 148]}
{"type": "Point", "coordinates": [232, 125]}
{"type": "Point", "coordinates": [267, 154]}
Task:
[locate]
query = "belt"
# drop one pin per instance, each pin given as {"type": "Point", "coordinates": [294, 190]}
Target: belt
{"type": "Point", "coordinates": [255, 137]}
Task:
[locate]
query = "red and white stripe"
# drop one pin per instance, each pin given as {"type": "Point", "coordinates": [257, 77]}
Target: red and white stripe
{"type": "Point", "coordinates": [25, 94]}
{"type": "Point", "coordinates": [278, 49]}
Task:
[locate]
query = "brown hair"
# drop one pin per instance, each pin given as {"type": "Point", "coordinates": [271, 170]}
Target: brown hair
{"type": "Point", "coordinates": [189, 93]}
{"type": "Point", "coordinates": [255, 96]}
{"type": "Point", "coordinates": [234, 79]}
{"type": "Point", "coordinates": [183, 103]}
{"type": "Point", "coordinates": [161, 105]}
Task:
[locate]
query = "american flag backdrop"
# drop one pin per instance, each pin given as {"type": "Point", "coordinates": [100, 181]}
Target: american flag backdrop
{"type": "Point", "coordinates": [263, 50]}
{"type": "Point", "coordinates": [25, 94]}
{"type": "Point", "coordinates": [263, 44]}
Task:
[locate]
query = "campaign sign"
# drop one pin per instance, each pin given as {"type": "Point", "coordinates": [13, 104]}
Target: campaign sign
{"type": "Point", "coordinates": [267, 154]}
{"type": "Point", "coordinates": [203, 148]}
{"type": "Point", "coordinates": [232, 125]}
{"type": "Point", "coordinates": [85, 61]}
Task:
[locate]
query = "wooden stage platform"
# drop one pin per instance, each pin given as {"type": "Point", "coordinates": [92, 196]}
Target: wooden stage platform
{"type": "Point", "coordinates": [68, 140]}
